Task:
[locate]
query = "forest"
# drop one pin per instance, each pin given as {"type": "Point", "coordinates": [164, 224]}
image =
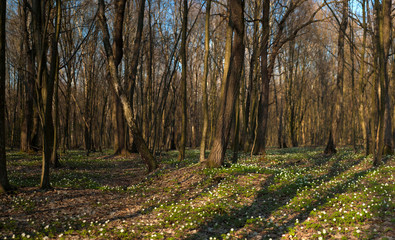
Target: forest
{"type": "Point", "coordinates": [197, 119]}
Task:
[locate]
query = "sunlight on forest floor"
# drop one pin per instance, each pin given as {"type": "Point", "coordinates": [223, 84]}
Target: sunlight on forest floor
{"type": "Point", "coordinates": [295, 193]}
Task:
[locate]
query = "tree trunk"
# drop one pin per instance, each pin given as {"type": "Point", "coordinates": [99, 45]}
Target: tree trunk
{"type": "Point", "coordinates": [66, 135]}
{"type": "Point", "coordinates": [4, 183]}
{"type": "Point", "coordinates": [54, 155]}
{"type": "Point", "coordinates": [27, 121]}
{"type": "Point", "coordinates": [363, 84]}
{"type": "Point", "coordinates": [183, 53]}
{"type": "Point", "coordinates": [204, 82]}
{"type": "Point", "coordinates": [236, 132]}
{"type": "Point", "coordinates": [230, 90]}
{"type": "Point", "coordinates": [380, 85]}
{"type": "Point", "coordinates": [120, 147]}
{"type": "Point", "coordinates": [45, 81]}
{"type": "Point", "coordinates": [388, 141]}
{"type": "Point", "coordinates": [263, 107]}
{"type": "Point", "coordinates": [338, 110]}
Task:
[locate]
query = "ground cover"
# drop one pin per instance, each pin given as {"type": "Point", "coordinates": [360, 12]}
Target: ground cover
{"type": "Point", "coordinates": [295, 193]}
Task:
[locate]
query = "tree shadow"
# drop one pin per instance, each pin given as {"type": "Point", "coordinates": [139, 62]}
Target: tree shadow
{"type": "Point", "coordinates": [268, 201]}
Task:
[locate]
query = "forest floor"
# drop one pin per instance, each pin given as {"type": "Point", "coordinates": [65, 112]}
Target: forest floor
{"type": "Point", "coordinates": [295, 193]}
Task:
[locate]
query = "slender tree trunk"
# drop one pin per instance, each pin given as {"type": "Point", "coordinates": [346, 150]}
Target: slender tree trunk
{"type": "Point", "coordinates": [380, 81]}
{"type": "Point", "coordinates": [354, 110]}
{"type": "Point", "coordinates": [338, 110]}
{"type": "Point", "coordinates": [54, 156]}
{"type": "Point", "coordinates": [27, 121]}
{"type": "Point", "coordinates": [87, 111]}
{"type": "Point", "coordinates": [363, 84]}
{"type": "Point", "coordinates": [4, 183]}
{"type": "Point", "coordinates": [183, 54]}
{"type": "Point", "coordinates": [263, 109]}
{"type": "Point", "coordinates": [204, 82]}
{"type": "Point", "coordinates": [236, 132]}
{"type": "Point", "coordinates": [66, 131]}
{"type": "Point", "coordinates": [230, 86]}
{"type": "Point", "coordinates": [387, 29]}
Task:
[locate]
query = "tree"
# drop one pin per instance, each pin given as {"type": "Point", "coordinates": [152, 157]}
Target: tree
{"type": "Point", "coordinates": [363, 83]}
{"type": "Point", "coordinates": [183, 53]}
{"type": "Point", "coordinates": [45, 78]}
{"type": "Point", "coordinates": [27, 135]}
{"type": "Point", "coordinates": [230, 87]}
{"type": "Point", "coordinates": [135, 53]}
{"type": "Point", "coordinates": [115, 82]}
{"type": "Point", "coordinates": [263, 107]}
{"type": "Point", "coordinates": [4, 183]}
{"type": "Point", "coordinates": [387, 35]}
{"type": "Point", "coordinates": [204, 82]}
{"type": "Point", "coordinates": [382, 40]}
{"type": "Point", "coordinates": [337, 110]}
{"type": "Point", "coordinates": [118, 122]}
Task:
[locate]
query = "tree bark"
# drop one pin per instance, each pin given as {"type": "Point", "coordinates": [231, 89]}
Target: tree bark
{"type": "Point", "coordinates": [363, 84]}
{"type": "Point", "coordinates": [120, 147]}
{"type": "Point", "coordinates": [263, 106]}
{"type": "Point", "coordinates": [183, 53]}
{"type": "Point", "coordinates": [230, 88]}
{"type": "Point", "coordinates": [4, 183]}
{"type": "Point", "coordinates": [27, 121]}
{"type": "Point", "coordinates": [338, 110]}
{"type": "Point", "coordinates": [387, 29]}
{"type": "Point", "coordinates": [54, 156]}
{"type": "Point", "coordinates": [380, 91]}
{"type": "Point", "coordinates": [204, 82]}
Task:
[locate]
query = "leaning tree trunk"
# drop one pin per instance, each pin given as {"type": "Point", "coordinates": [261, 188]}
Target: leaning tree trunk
{"type": "Point", "coordinates": [114, 80]}
{"type": "Point", "coordinates": [230, 88]}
